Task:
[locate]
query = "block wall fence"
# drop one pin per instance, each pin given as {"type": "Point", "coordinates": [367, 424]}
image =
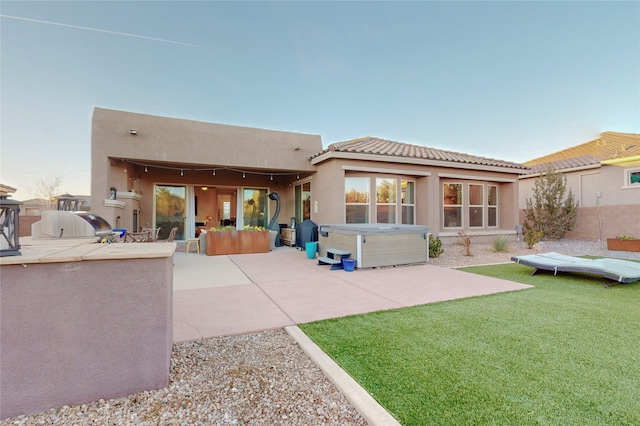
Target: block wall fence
{"type": "Point", "coordinates": [600, 223]}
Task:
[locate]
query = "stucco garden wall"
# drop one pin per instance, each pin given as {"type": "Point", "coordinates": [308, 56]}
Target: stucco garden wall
{"type": "Point", "coordinates": [600, 223]}
{"type": "Point", "coordinates": [74, 331]}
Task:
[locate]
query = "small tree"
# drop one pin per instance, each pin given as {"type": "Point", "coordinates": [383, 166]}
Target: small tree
{"type": "Point", "coordinates": [551, 213]}
{"type": "Point", "coordinates": [46, 189]}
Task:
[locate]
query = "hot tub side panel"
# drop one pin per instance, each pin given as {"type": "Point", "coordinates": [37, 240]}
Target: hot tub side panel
{"type": "Point", "coordinates": [393, 249]}
{"type": "Point", "coordinates": [338, 241]}
{"type": "Point", "coordinates": [378, 249]}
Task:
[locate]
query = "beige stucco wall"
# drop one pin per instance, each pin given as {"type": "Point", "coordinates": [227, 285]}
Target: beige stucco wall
{"type": "Point", "coordinates": [608, 181]}
{"type": "Point", "coordinates": [176, 148]}
{"type": "Point", "coordinates": [328, 192]}
{"type": "Point", "coordinates": [73, 332]}
{"type": "Point", "coordinates": [118, 160]}
{"type": "Point", "coordinates": [606, 206]}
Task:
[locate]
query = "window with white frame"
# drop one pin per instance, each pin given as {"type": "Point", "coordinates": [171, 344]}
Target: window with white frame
{"type": "Point", "coordinates": [632, 178]}
{"type": "Point", "coordinates": [452, 205]}
{"type": "Point", "coordinates": [356, 199]}
{"type": "Point", "coordinates": [476, 205]}
{"type": "Point", "coordinates": [386, 200]}
{"type": "Point", "coordinates": [408, 189]}
{"type": "Point", "coordinates": [492, 206]}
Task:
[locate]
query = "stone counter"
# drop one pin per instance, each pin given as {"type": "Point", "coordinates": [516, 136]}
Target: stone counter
{"type": "Point", "coordinates": [81, 321]}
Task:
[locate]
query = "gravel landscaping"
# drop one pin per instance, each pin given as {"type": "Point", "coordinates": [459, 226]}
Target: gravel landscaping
{"type": "Point", "coordinates": [262, 378]}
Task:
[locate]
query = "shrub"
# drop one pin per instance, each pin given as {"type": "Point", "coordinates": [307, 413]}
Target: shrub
{"type": "Point", "coordinates": [551, 211]}
{"type": "Point", "coordinates": [532, 237]}
{"type": "Point", "coordinates": [625, 238]}
{"type": "Point", "coordinates": [466, 242]}
{"type": "Point", "coordinates": [435, 246]}
{"type": "Point", "coordinates": [501, 244]}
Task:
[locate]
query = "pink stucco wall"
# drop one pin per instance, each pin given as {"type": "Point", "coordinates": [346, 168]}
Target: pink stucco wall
{"type": "Point", "coordinates": [76, 332]}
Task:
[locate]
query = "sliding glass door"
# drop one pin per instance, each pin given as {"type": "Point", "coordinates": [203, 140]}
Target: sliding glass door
{"type": "Point", "coordinates": [170, 209]}
{"type": "Point", "coordinates": [254, 207]}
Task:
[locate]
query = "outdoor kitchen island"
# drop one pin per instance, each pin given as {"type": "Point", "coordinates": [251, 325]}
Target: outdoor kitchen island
{"type": "Point", "coordinates": [82, 321]}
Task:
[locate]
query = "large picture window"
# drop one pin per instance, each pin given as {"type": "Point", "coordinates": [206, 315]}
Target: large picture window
{"type": "Point", "coordinates": [452, 205]}
{"type": "Point", "coordinates": [408, 189]}
{"type": "Point", "coordinates": [476, 205]}
{"type": "Point", "coordinates": [357, 199]}
{"type": "Point", "coordinates": [386, 200]}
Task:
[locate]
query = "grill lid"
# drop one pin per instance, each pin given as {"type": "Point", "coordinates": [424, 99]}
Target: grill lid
{"type": "Point", "coordinates": [66, 224]}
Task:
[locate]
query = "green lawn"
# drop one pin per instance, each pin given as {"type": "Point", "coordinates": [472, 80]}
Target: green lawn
{"type": "Point", "coordinates": [566, 352]}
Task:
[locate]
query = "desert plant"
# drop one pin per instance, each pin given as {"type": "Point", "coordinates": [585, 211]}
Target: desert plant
{"type": "Point", "coordinates": [435, 246]}
{"type": "Point", "coordinates": [550, 211]}
{"type": "Point", "coordinates": [465, 240]}
{"type": "Point", "coordinates": [501, 244]}
{"type": "Point", "coordinates": [532, 237]}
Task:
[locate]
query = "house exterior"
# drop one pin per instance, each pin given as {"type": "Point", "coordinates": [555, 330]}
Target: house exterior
{"type": "Point", "coordinates": [604, 176]}
{"type": "Point", "coordinates": [150, 171]}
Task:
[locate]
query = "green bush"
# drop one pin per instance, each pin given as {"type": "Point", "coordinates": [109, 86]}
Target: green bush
{"type": "Point", "coordinates": [435, 246]}
{"type": "Point", "coordinates": [532, 237]}
{"type": "Point", "coordinates": [501, 244]}
{"type": "Point", "coordinates": [553, 209]}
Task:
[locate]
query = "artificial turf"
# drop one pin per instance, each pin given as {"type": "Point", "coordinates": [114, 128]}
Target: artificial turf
{"type": "Point", "coordinates": [562, 353]}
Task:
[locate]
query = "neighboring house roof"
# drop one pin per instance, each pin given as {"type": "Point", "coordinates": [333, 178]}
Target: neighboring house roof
{"type": "Point", "coordinates": [610, 146]}
{"type": "Point", "coordinates": [6, 189]}
{"type": "Point", "coordinates": [569, 163]}
{"type": "Point", "coordinates": [381, 147]}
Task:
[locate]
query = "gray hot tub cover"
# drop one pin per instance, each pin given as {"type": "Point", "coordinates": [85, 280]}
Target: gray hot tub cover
{"type": "Point", "coordinates": [622, 271]}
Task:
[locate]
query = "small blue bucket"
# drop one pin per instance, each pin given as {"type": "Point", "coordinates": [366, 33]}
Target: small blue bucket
{"type": "Point", "coordinates": [312, 248]}
{"type": "Point", "coordinates": [349, 264]}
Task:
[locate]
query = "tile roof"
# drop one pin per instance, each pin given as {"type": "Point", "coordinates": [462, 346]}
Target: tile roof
{"type": "Point", "coordinates": [569, 163]}
{"type": "Point", "coordinates": [376, 146]}
{"type": "Point", "coordinates": [610, 146]}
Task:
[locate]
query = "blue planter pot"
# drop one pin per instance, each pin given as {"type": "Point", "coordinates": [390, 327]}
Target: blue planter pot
{"type": "Point", "coordinates": [312, 249]}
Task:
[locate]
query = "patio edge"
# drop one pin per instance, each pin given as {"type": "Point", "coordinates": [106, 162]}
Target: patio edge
{"type": "Point", "coordinates": [364, 403]}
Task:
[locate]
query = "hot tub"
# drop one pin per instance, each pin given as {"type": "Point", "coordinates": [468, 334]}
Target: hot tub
{"type": "Point", "coordinates": [377, 244]}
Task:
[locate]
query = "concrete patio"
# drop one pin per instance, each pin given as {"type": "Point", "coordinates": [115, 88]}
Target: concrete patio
{"type": "Point", "coordinates": [237, 294]}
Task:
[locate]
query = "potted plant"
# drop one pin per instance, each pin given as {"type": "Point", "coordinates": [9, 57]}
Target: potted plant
{"type": "Point", "coordinates": [623, 243]}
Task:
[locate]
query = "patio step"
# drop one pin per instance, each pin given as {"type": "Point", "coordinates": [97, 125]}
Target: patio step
{"type": "Point", "coordinates": [334, 258]}
{"type": "Point", "coordinates": [324, 260]}
{"type": "Point", "coordinates": [341, 253]}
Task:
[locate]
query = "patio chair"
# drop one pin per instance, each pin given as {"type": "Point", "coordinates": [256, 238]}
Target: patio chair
{"type": "Point", "coordinates": [153, 233]}
{"type": "Point", "coordinates": [172, 235]}
{"type": "Point", "coordinates": [137, 237]}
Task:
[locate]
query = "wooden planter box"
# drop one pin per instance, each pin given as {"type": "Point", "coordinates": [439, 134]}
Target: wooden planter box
{"type": "Point", "coordinates": [237, 242]}
{"type": "Point", "coordinates": [223, 242]}
{"type": "Point", "coordinates": [254, 242]}
{"type": "Point", "coordinates": [623, 245]}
